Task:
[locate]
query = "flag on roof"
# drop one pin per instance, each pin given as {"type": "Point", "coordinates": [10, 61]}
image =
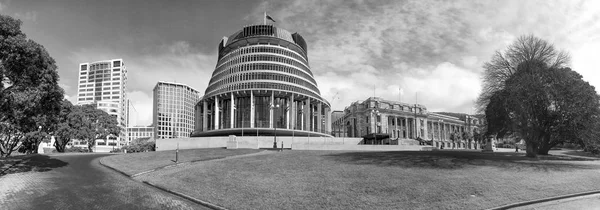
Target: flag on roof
{"type": "Point", "coordinates": [270, 18]}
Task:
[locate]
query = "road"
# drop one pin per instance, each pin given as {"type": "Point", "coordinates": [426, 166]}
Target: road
{"type": "Point", "coordinates": [78, 181]}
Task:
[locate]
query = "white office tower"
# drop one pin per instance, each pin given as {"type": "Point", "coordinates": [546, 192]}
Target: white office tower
{"type": "Point", "coordinates": [104, 83]}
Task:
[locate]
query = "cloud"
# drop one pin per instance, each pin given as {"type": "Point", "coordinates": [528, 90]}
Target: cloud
{"type": "Point", "coordinates": [142, 111]}
{"type": "Point", "coordinates": [435, 48]}
{"type": "Point", "coordinates": [27, 16]}
{"type": "Point", "coordinates": [4, 4]}
{"type": "Point", "coordinates": [71, 97]}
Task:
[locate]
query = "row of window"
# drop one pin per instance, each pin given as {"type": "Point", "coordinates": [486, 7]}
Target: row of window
{"type": "Point", "coordinates": [263, 85]}
{"type": "Point", "coordinates": [262, 66]}
{"type": "Point", "coordinates": [262, 76]}
{"type": "Point", "coordinates": [98, 98]}
{"type": "Point", "coordinates": [261, 58]}
{"type": "Point", "coordinates": [96, 66]}
{"type": "Point", "coordinates": [261, 49]}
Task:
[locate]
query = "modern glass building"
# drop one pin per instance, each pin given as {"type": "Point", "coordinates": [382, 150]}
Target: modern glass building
{"type": "Point", "coordinates": [262, 85]}
{"type": "Point", "coordinates": [173, 110]}
{"type": "Point", "coordinates": [137, 132]}
{"type": "Point", "coordinates": [103, 83]}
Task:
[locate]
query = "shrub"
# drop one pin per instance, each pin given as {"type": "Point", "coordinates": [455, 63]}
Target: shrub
{"type": "Point", "coordinates": [76, 150]}
{"type": "Point", "coordinates": [594, 149]}
{"type": "Point", "coordinates": [140, 147]}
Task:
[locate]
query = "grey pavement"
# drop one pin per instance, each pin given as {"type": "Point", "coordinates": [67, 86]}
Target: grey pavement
{"type": "Point", "coordinates": [78, 181]}
{"type": "Point", "coordinates": [581, 203]}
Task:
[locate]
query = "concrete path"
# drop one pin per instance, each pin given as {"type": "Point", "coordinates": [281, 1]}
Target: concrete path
{"type": "Point", "coordinates": [581, 203]}
{"type": "Point", "coordinates": [78, 181]}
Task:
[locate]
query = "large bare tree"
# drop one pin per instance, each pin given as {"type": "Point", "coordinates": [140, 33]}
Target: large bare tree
{"type": "Point", "coordinates": [504, 64]}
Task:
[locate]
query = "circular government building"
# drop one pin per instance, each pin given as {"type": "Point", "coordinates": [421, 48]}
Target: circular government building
{"type": "Point", "coordinates": [262, 86]}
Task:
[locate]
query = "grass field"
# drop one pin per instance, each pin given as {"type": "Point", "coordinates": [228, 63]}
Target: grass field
{"type": "Point", "coordinates": [138, 162]}
{"type": "Point", "coordinates": [379, 180]}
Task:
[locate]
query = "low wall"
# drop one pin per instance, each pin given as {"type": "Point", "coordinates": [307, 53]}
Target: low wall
{"type": "Point", "coordinates": [357, 147]}
{"type": "Point", "coordinates": [294, 143]}
{"type": "Point", "coordinates": [191, 143]}
{"type": "Point", "coordinates": [103, 149]}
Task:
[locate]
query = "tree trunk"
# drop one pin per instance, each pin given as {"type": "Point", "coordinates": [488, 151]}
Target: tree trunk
{"type": "Point", "coordinates": [59, 147]}
{"type": "Point", "coordinates": [532, 149]}
{"type": "Point", "coordinates": [545, 145]}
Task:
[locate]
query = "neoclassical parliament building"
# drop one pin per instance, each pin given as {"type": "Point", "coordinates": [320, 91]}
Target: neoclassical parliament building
{"type": "Point", "coordinates": [376, 118]}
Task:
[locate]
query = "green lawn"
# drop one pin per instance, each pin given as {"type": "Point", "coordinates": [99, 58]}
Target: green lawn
{"type": "Point", "coordinates": [379, 180]}
{"type": "Point", "coordinates": [138, 162]}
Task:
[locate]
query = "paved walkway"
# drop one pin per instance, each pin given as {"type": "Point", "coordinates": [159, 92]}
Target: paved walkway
{"type": "Point", "coordinates": [78, 182]}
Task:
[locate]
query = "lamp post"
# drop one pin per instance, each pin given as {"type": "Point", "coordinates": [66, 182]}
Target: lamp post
{"type": "Point", "coordinates": [273, 107]}
{"type": "Point", "coordinates": [374, 111]}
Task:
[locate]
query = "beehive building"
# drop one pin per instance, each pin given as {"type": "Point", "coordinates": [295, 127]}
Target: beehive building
{"type": "Point", "coordinates": [262, 85]}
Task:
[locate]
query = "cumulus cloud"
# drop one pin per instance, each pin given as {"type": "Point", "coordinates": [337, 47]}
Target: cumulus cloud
{"type": "Point", "coordinates": [432, 48]}
{"type": "Point", "coordinates": [27, 16]}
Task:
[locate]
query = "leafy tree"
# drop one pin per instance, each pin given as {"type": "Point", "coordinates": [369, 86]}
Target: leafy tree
{"type": "Point", "coordinates": [100, 125]}
{"type": "Point", "coordinates": [84, 123]}
{"type": "Point", "coordinates": [29, 92]}
{"type": "Point", "coordinates": [545, 106]}
{"type": "Point", "coordinates": [71, 125]}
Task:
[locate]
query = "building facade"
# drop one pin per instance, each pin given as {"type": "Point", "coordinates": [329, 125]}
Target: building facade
{"type": "Point", "coordinates": [262, 85]}
{"type": "Point", "coordinates": [173, 110]}
{"type": "Point", "coordinates": [337, 125]}
{"type": "Point", "coordinates": [104, 84]}
{"type": "Point", "coordinates": [404, 121]}
{"type": "Point", "coordinates": [137, 132]}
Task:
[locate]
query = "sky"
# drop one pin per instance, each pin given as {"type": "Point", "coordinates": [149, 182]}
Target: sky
{"type": "Point", "coordinates": [431, 50]}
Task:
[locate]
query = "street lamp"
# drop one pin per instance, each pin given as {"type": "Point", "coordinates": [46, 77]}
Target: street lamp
{"type": "Point", "coordinates": [376, 112]}
{"type": "Point", "coordinates": [273, 107]}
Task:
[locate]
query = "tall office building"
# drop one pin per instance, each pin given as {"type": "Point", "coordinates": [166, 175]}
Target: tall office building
{"type": "Point", "coordinates": [103, 83]}
{"type": "Point", "coordinates": [173, 110]}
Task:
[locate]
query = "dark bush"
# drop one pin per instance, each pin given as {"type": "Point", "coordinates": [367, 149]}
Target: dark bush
{"type": "Point", "coordinates": [76, 150]}
{"type": "Point", "coordinates": [140, 147]}
{"type": "Point", "coordinates": [571, 146]}
{"type": "Point", "coordinates": [594, 149]}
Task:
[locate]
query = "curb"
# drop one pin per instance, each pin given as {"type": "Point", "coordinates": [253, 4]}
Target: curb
{"type": "Point", "coordinates": [190, 198]}
{"type": "Point", "coordinates": [195, 200]}
{"type": "Point", "coordinates": [114, 169]}
{"type": "Point", "coordinates": [171, 166]}
{"type": "Point", "coordinates": [526, 203]}
{"type": "Point", "coordinates": [193, 161]}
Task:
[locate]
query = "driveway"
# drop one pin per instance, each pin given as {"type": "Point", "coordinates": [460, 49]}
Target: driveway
{"type": "Point", "coordinates": [77, 181]}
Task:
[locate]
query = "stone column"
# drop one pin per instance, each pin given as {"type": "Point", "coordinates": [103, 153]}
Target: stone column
{"type": "Point", "coordinates": [302, 116]}
{"type": "Point", "coordinates": [307, 115]}
{"type": "Point", "coordinates": [293, 109]}
{"type": "Point", "coordinates": [319, 117]}
{"type": "Point", "coordinates": [232, 111]}
{"type": "Point", "coordinates": [252, 109]}
{"type": "Point", "coordinates": [328, 120]}
{"type": "Point", "coordinates": [405, 128]}
{"type": "Point", "coordinates": [396, 127]}
{"type": "Point", "coordinates": [272, 105]}
{"type": "Point", "coordinates": [204, 116]}
{"type": "Point", "coordinates": [216, 113]}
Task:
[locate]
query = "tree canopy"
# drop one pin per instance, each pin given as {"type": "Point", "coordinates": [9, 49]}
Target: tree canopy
{"type": "Point", "coordinates": [30, 96]}
{"type": "Point", "coordinates": [539, 100]}
{"type": "Point", "coordinates": [84, 123]}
